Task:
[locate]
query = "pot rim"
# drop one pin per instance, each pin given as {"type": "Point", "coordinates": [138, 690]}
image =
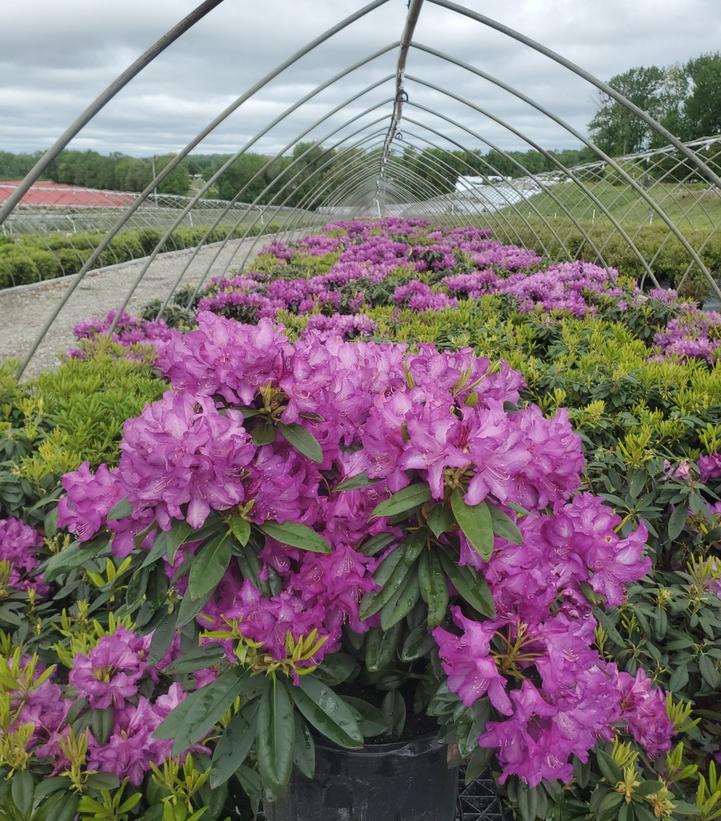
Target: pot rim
{"type": "Point", "coordinates": [423, 743]}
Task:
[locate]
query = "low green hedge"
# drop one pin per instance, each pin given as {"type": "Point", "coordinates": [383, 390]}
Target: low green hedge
{"type": "Point", "coordinates": [33, 258]}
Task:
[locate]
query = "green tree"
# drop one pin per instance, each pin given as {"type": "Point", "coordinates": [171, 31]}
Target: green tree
{"type": "Point", "coordinates": [702, 109]}
{"type": "Point", "coordinates": [616, 129]}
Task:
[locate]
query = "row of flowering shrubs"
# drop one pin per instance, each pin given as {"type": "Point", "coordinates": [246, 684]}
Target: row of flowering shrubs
{"type": "Point", "coordinates": [358, 525]}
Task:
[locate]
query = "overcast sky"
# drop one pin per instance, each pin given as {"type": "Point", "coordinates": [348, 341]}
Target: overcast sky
{"type": "Point", "coordinates": [56, 55]}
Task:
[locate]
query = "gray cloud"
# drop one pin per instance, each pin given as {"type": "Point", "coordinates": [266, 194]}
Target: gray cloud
{"type": "Point", "coordinates": [57, 56]}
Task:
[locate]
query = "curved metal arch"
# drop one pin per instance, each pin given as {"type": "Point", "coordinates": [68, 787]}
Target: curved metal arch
{"type": "Point", "coordinates": [520, 165]}
{"type": "Point", "coordinates": [309, 198]}
{"type": "Point", "coordinates": [471, 189]}
{"type": "Point", "coordinates": [602, 154]}
{"type": "Point", "coordinates": [554, 160]}
{"type": "Point", "coordinates": [262, 194]}
{"type": "Point", "coordinates": [164, 172]}
{"type": "Point", "coordinates": [586, 75]}
{"type": "Point", "coordinates": [103, 99]}
{"type": "Point", "coordinates": [249, 144]}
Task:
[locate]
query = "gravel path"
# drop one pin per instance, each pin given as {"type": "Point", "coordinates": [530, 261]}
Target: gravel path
{"type": "Point", "coordinates": [23, 310]}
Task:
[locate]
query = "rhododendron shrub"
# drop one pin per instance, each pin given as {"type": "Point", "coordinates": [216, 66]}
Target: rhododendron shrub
{"type": "Point", "coordinates": [295, 525]}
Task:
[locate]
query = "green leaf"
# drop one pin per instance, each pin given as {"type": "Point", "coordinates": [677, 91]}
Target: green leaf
{"type": "Point", "coordinates": [419, 642]}
{"type": "Point", "coordinates": [196, 659]}
{"type": "Point", "coordinates": [296, 535]}
{"type": "Point", "coordinates": [122, 510]}
{"type": "Point", "coordinates": [439, 519]}
{"type": "Point", "coordinates": [302, 440]}
{"type": "Point", "coordinates": [433, 587]}
{"type": "Point", "coordinates": [470, 586]}
{"type": "Point", "coordinates": [374, 545]}
{"type": "Point", "coordinates": [22, 788]}
{"type": "Point", "coordinates": [402, 602]}
{"type": "Point", "coordinates": [391, 574]}
{"type": "Point", "coordinates": [327, 712]}
{"type": "Point", "coordinates": [240, 528]}
{"type": "Point", "coordinates": [677, 521]}
{"type": "Point", "coordinates": [162, 638]}
{"type": "Point", "coordinates": [209, 565]}
{"type": "Point", "coordinates": [276, 736]}
{"type": "Point", "coordinates": [404, 500]}
{"type": "Point", "coordinates": [263, 433]}
{"type": "Point", "coordinates": [234, 745]}
{"type": "Point", "coordinates": [193, 718]}
{"type": "Point", "coordinates": [372, 721]}
{"type": "Point", "coordinates": [709, 672]}
{"type": "Point", "coordinates": [74, 556]}
{"type": "Point", "coordinates": [304, 749]}
{"type": "Point", "coordinates": [504, 526]}
{"type": "Point", "coordinates": [190, 607]}
{"type": "Point", "coordinates": [609, 769]}
{"type": "Point", "coordinates": [353, 482]}
{"type": "Point", "coordinates": [475, 522]}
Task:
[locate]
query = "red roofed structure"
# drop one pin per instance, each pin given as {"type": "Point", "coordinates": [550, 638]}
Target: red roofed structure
{"type": "Point", "coordinates": [53, 194]}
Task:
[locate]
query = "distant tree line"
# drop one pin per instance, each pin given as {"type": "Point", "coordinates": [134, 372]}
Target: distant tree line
{"type": "Point", "coordinates": [685, 98]}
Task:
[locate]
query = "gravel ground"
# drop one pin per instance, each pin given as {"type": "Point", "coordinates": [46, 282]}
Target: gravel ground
{"type": "Point", "coordinates": [23, 310]}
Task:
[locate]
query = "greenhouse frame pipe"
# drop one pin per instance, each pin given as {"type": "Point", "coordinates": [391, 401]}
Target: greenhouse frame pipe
{"type": "Point", "coordinates": [285, 170]}
{"type": "Point", "coordinates": [364, 166]}
{"type": "Point", "coordinates": [565, 170]}
{"type": "Point", "coordinates": [166, 170]}
{"type": "Point", "coordinates": [391, 185]}
{"type": "Point", "coordinates": [586, 75]}
{"type": "Point", "coordinates": [548, 189]}
{"type": "Point", "coordinates": [309, 197]}
{"type": "Point", "coordinates": [264, 210]}
{"type": "Point", "coordinates": [306, 199]}
{"type": "Point", "coordinates": [458, 125]}
{"type": "Point", "coordinates": [554, 160]}
{"type": "Point", "coordinates": [414, 10]}
{"type": "Point", "coordinates": [291, 218]}
{"type": "Point", "coordinates": [102, 100]}
{"type": "Point", "coordinates": [469, 188]}
{"type": "Point", "coordinates": [577, 134]}
{"type": "Point", "coordinates": [285, 185]}
{"type": "Point", "coordinates": [523, 168]}
{"type": "Point", "coordinates": [256, 137]}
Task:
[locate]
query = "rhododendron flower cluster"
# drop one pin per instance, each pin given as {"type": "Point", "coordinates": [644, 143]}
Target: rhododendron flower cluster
{"type": "Point", "coordinates": [296, 445]}
{"type": "Point", "coordinates": [19, 561]}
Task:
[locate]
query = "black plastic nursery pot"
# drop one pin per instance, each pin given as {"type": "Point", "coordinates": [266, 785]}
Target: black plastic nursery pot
{"type": "Point", "coordinates": [400, 781]}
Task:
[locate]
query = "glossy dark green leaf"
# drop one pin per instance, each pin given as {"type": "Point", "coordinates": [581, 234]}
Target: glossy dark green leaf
{"type": "Point", "coordinates": [302, 440]}
{"type": "Point", "coordinates": [404, 500]}
{"type": "Point", "coordinates": [240, 528]}
{"type": "Point", "coordinates": [74, 556]}
{"type": "Point", "coordinates": [470, 586]}
{"type": "Point", "coordinates": [234, 745]}
{"type": "Point", "coordinates": [353, 482]}
{"type": "Point", "coordinates": [304, 748]}
{"type": "Point", "coordinates": [209, 565]}
{"type": "Point", "coordinates": [372, 721]}
{"type": "Point", "coordinates": [190, 607]}
{"type": "Point", "coordinates": [475, 522]}
{"type": "Point", "coordinates": [193, 718]}
{"type": "Point", "coordinates": [440, 519]}
{"type": "Point", "coordinates": [262, 433]}
{"type": "Point", "coordinates": [327, 712]}
{"type": "Point", "coordinates": [199, 658]}
{"type": "Point", "coordinates": [504, 526]}
{"type": "Point", "coordinates": [677, 521]}
{"type": "Point", "coordinates": [402, 602]}
{"type": "Point", "coordinates": [296, 535]}
{"type": "Point", "coordinates": [162, 638]}
{"type": "Point", "coordinates": [709, 672]}
{"type": "Point", "coordinates": [433, 587]}
{"type": "Point", "coordinates": [121, 510]}
{"type": "Point", "coordinates": [22, 788]}
{"type": "Point", "coordinates": [276, 736]}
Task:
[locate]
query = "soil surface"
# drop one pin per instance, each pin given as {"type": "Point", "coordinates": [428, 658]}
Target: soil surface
{"type": "Point", "coordinates": [25, 309]}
